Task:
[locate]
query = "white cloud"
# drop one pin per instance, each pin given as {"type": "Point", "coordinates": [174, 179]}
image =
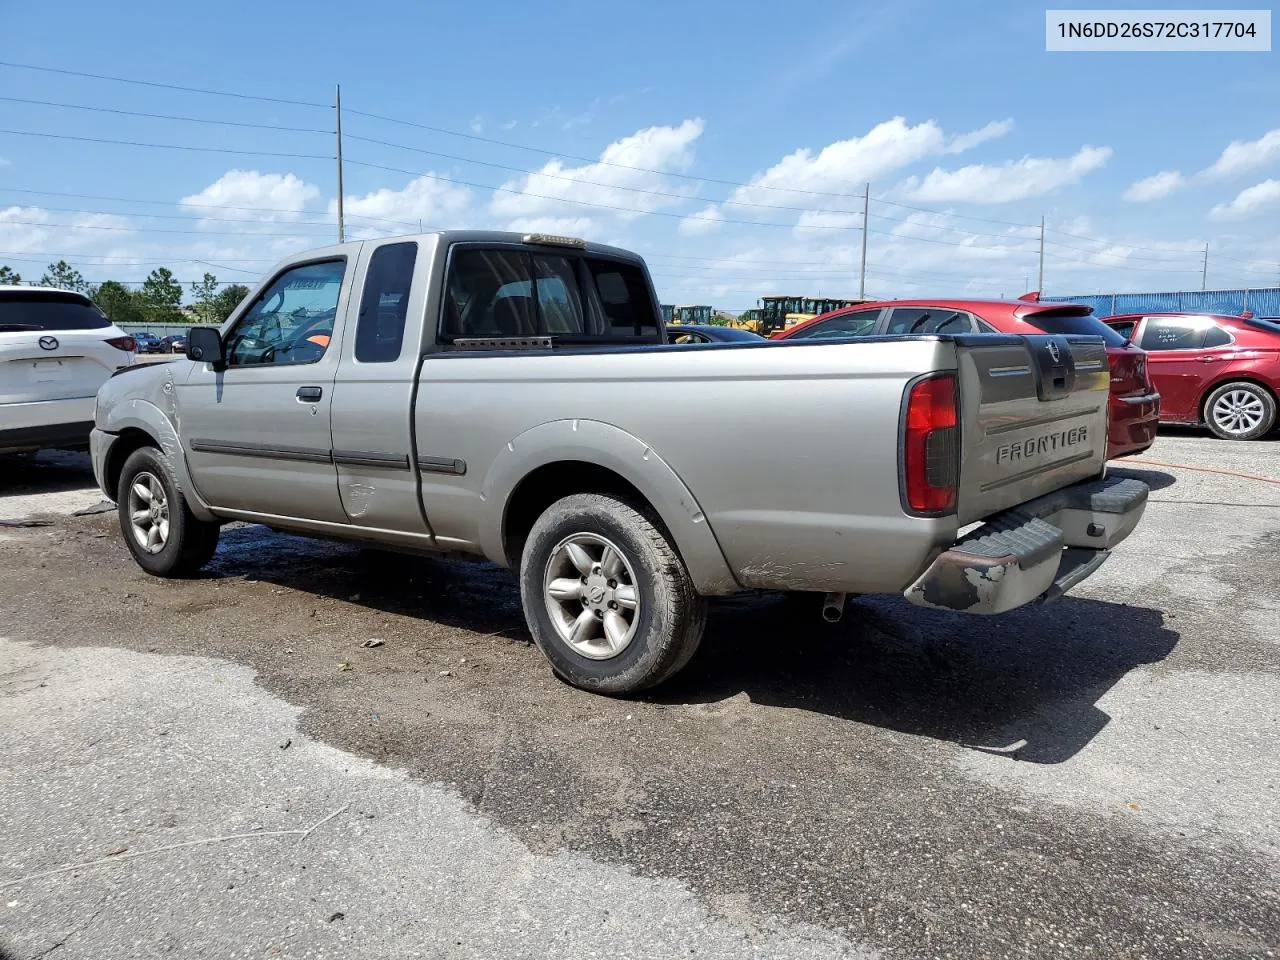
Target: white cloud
{"type": "Point", "coordinates": [477, 124]}
{"type": "Point", "coordinates": [433, 202]}
{"type": "Point", "coordinates": [1006, 182]}
{"type": "Point", "coordinates": [1156, 186]}
{"type": "Point", "coordinates": [967, 141]}
{"type": "Point", "coordinates": [1241, 156]}
{"type": "Point", "coordinates": [1249, 201]}
{"type": "Point", "coordinates": [34, 229]}
{"type": "Point", "coordinates": [706, 220]}
{"type": "Point", "coordinates": [842, 166]}
{"type": "Point", "coordinates": [270, 196]}
{"type": "Point", "coordinates": [612, 182]}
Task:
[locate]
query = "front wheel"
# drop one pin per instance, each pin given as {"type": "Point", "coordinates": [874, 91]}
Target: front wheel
{"type": "Point", "coordinates": [164, 536]}
{"type": "Point", "coordinates": [607, 597]}
{"type": "Point", "coordinates": [1240, 411]}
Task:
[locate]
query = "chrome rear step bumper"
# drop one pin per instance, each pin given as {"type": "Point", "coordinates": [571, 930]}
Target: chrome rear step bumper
{"type": "Point", "coordinates": [1034, 552]}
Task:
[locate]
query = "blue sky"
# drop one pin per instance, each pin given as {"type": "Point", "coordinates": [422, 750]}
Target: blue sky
{"type": "Point", "coordinates": [733, 136]}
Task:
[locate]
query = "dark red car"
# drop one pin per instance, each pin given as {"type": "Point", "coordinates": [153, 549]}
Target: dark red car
{"type": "Point", "coordinates": [1135, 404]}
{"type": "Point", "coordinates": [1220, 371]}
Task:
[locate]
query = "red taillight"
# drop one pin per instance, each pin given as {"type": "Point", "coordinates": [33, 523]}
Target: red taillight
{"type": "Point", "coordinates": [127, 344]}
{"type": "Point", "coordinates": [931, 446]}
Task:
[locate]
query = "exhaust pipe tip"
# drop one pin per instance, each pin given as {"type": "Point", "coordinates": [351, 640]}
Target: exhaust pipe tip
{"type": "Point", "coordinates": [833, 607]}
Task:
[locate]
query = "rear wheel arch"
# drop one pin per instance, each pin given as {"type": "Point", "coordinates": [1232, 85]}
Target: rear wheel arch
{"type": "Point", "coordinates": [560, 458]}
{"type": "Point", "coordinates": [545, 485]}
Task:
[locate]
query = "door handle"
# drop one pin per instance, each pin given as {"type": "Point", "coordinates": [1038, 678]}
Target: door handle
{"type": "Point", "coordinates": [309, 394]}
{"type": "Point", "coordinates": [1208, 359]}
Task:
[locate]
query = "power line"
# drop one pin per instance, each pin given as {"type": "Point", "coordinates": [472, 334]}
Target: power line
{"type": "Point", "coordinates": [595, 183]}
{"type": "Point", "coordinates": [958, 216]}
{"type": "Point", "coordinates": [166, 116]}
{"type": "Point", "coordinates": [208, 233]}
{"type": "Point", "coordinates": [167, 146]}
{"type": "Point", "coordinates": [938, 226]}
{"type": "Point", "coordinates": [584, 203]}
{"type": "Point", "coordinates": [19, 256]}
{"type": "Point", "coordinates": [164, 86]}
{"type": "Point", "coordinates": [169, 203]}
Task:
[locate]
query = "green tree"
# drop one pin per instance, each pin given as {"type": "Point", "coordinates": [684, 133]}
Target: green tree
{"type": "Point", "coordinates": [63, 276]}
{"type": "Point", "coordinates": [162, 297]}
{"type": "Point", "coordinates": [204, 293]}
{"type": "Point", "coordinates": [119, 303]}
{"type": "Point", "coordinates": [8, 276]}
{"type": "Point", "coordinates": [227, 300]}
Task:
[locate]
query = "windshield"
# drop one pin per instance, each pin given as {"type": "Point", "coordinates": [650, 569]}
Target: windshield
{"type": "Point", "coordinates": [1077, 324]}
{"type": "Point", "coordinates": [20, 310]}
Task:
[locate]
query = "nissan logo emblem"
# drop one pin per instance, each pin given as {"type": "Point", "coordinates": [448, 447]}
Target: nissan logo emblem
{"type": "Point", "coordinates": [48, 343]}
{"type": "Point", "coordinates": [1054, 355]}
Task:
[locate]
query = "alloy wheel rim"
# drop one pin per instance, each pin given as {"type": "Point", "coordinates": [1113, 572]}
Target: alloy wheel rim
{"type": "Point", "coordinates": [1238, 411]}
{"type": "Point", "coordinates": [148, 512]}
{"type": "Point", "coordinates": [590, 593]}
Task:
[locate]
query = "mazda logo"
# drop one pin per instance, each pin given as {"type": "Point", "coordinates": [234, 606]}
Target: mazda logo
{"type": "Point", "coordinates": [1054, 355]}
{"type": "Point", "coordinates": [48, 343]}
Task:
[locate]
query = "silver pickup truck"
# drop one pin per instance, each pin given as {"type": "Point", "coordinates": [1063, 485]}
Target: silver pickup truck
{"type": "Point", "coordinates": [513, 397]}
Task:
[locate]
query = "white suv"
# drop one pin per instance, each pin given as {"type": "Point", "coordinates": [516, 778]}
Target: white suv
{"type": "Point", "coordinates": [56, 349]}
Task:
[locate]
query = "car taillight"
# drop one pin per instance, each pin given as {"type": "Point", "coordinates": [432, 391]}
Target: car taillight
{"type": "Point", "coordinates": [127, 344]}
{"type": "Point", "coordinates": [931, 446]}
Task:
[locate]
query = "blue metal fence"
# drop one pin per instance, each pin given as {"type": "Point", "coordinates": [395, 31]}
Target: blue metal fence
{"type": "Point", "coordinates": [1264, 302]}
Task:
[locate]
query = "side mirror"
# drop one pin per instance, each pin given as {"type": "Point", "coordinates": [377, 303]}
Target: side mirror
{"type": "Point", "coordinates": [204, 345]}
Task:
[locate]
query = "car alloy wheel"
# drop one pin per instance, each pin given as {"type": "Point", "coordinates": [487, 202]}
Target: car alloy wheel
{"type": "Point", "coordinates": [590, 593]}
{"type": "Point", "coordinates": [1238, 411]}
{"type": "Point", "coordinates": [149, 512]}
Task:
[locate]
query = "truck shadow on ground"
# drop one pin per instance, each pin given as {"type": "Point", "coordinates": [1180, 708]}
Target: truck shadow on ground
{"type": "Point", "coordinates": [1024, 685]}
{"type": "Point", "coordinates": [1155, 479]}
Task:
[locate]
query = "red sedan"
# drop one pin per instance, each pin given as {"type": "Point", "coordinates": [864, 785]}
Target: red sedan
{"type": "Point", "coordinates": [1220, 371]}
{"type": "Point", "coordinates": [1135, 405]}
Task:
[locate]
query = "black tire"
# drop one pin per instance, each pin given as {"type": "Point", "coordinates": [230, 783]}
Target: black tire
{"type": "Point", "coordinates": [1255, 397]}
{"type": "Point", "coordinates": [670, 615]}
{"type": "Point", "coordinates": [190, 542]}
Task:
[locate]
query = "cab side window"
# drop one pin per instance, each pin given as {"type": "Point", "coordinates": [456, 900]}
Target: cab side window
{"type": "Point", "coordinates": [291, 322]}
{"type": "Point", "coordinates": [384, 305]}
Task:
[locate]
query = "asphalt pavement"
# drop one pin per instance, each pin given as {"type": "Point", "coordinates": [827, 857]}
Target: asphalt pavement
{"type": "Point", "coordinates": [222, 768]}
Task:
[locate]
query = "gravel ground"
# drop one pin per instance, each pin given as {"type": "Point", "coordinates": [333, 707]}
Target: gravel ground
{"type": "Point", "coordinates": [1097, 778]}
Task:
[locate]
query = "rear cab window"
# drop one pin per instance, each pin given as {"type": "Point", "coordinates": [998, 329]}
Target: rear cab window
{"type": "Point", "coordinates": [23, 310]}
{"type": "Point", "coordinates": [1062, 323]}
{"type": "Point", "coordinates": [573, 297]}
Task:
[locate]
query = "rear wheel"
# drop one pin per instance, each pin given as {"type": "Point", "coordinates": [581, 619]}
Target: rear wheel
{"type": "Point", "coordinates": [164, 536]}
{"type": "Point", "coordinates": [607, 597]}
{"type": "Point", "coordinates": [1240, 411]}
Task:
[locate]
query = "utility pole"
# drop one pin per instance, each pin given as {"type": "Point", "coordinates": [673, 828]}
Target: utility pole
{"type": "Point", "coordinates": [862, 273]}
{"type": "Point", "coordinates": [1040, 281]}
{"type": "Point", "coordinates": [1204, 272]}
{"type": "Point", "coordinates": [338, 107]}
